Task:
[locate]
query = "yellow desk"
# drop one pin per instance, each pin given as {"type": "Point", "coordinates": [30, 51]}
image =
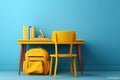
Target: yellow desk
{"type": "Point", "coordinates": [23, 44]}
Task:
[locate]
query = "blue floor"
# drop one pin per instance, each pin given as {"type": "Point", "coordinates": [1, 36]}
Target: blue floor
{"type": "Point", "coordinates": [91, 75]}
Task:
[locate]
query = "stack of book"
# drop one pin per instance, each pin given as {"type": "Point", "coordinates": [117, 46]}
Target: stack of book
{"type": "Point", "coordinates": [41, 38]}
{"type": "Point", "coordinates": [28, 33]}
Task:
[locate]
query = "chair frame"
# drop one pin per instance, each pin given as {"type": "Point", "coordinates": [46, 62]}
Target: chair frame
{"type": "Point", "coordinates": [56, 55]}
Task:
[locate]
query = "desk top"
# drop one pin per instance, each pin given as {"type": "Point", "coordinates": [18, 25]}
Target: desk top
{"type": "Point", "coordinates": [47, 42]}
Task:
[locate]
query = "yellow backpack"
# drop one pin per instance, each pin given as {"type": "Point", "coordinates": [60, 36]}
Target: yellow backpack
{"type": "Point", "coordinates": [36, 61]}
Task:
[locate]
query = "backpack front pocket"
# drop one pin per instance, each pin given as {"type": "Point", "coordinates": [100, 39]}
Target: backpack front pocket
{"type": "Point", "coordinates": [35, 66]}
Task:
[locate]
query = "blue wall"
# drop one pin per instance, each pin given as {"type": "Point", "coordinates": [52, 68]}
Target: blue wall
{"type": "Point", "coordinates": [95, 21]}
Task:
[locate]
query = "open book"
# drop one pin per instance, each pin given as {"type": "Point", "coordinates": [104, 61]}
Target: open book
{"type": "Point", "coordinates": [42, 37]}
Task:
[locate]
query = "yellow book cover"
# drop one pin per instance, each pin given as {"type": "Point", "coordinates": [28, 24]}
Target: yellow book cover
{"type": "Point", "coordinates": [25, 32]}
{"type": "Point", "coordinates": [32, 33]}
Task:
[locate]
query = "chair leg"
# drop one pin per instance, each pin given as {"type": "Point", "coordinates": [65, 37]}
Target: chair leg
{"type": "Point", "coordinates": [71, 68]}
{"type": "Point", "coordinates": [75, 72]}
{"type": "Point", "coordinates": [50, 66]}
{"type": "Point", "coordinates": [55, 70]}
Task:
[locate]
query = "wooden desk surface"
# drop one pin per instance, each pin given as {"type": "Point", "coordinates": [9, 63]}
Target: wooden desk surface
{"type": "Point", "coordinates": [80, 41]}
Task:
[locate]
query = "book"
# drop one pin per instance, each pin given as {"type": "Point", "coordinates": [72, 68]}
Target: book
{"type": "Point", "coordinates": [29, 32]}
{"type": "Point", "coordinates": [32, 33]}
{"type": "Point", "coordinates": [25, 32]}
{"type": "Point", "coordinates": [41, 38]}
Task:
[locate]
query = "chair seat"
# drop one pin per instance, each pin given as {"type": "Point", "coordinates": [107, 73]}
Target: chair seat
{"type": "Point", "coordinates": [63, 55]}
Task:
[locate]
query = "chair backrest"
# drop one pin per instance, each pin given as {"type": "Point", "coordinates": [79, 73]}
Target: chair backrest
{"type": "Point", "coordinates": [63, 36]}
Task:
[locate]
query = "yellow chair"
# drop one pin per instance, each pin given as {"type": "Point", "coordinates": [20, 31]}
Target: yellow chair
{"type": "Point", "coordinates": [63, 37]}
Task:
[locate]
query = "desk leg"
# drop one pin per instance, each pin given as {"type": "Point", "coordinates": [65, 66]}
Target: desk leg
{"type": "Point", "coordinates": [22, 54]}
{"type": "Point", "coordinates": [79, 58]}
